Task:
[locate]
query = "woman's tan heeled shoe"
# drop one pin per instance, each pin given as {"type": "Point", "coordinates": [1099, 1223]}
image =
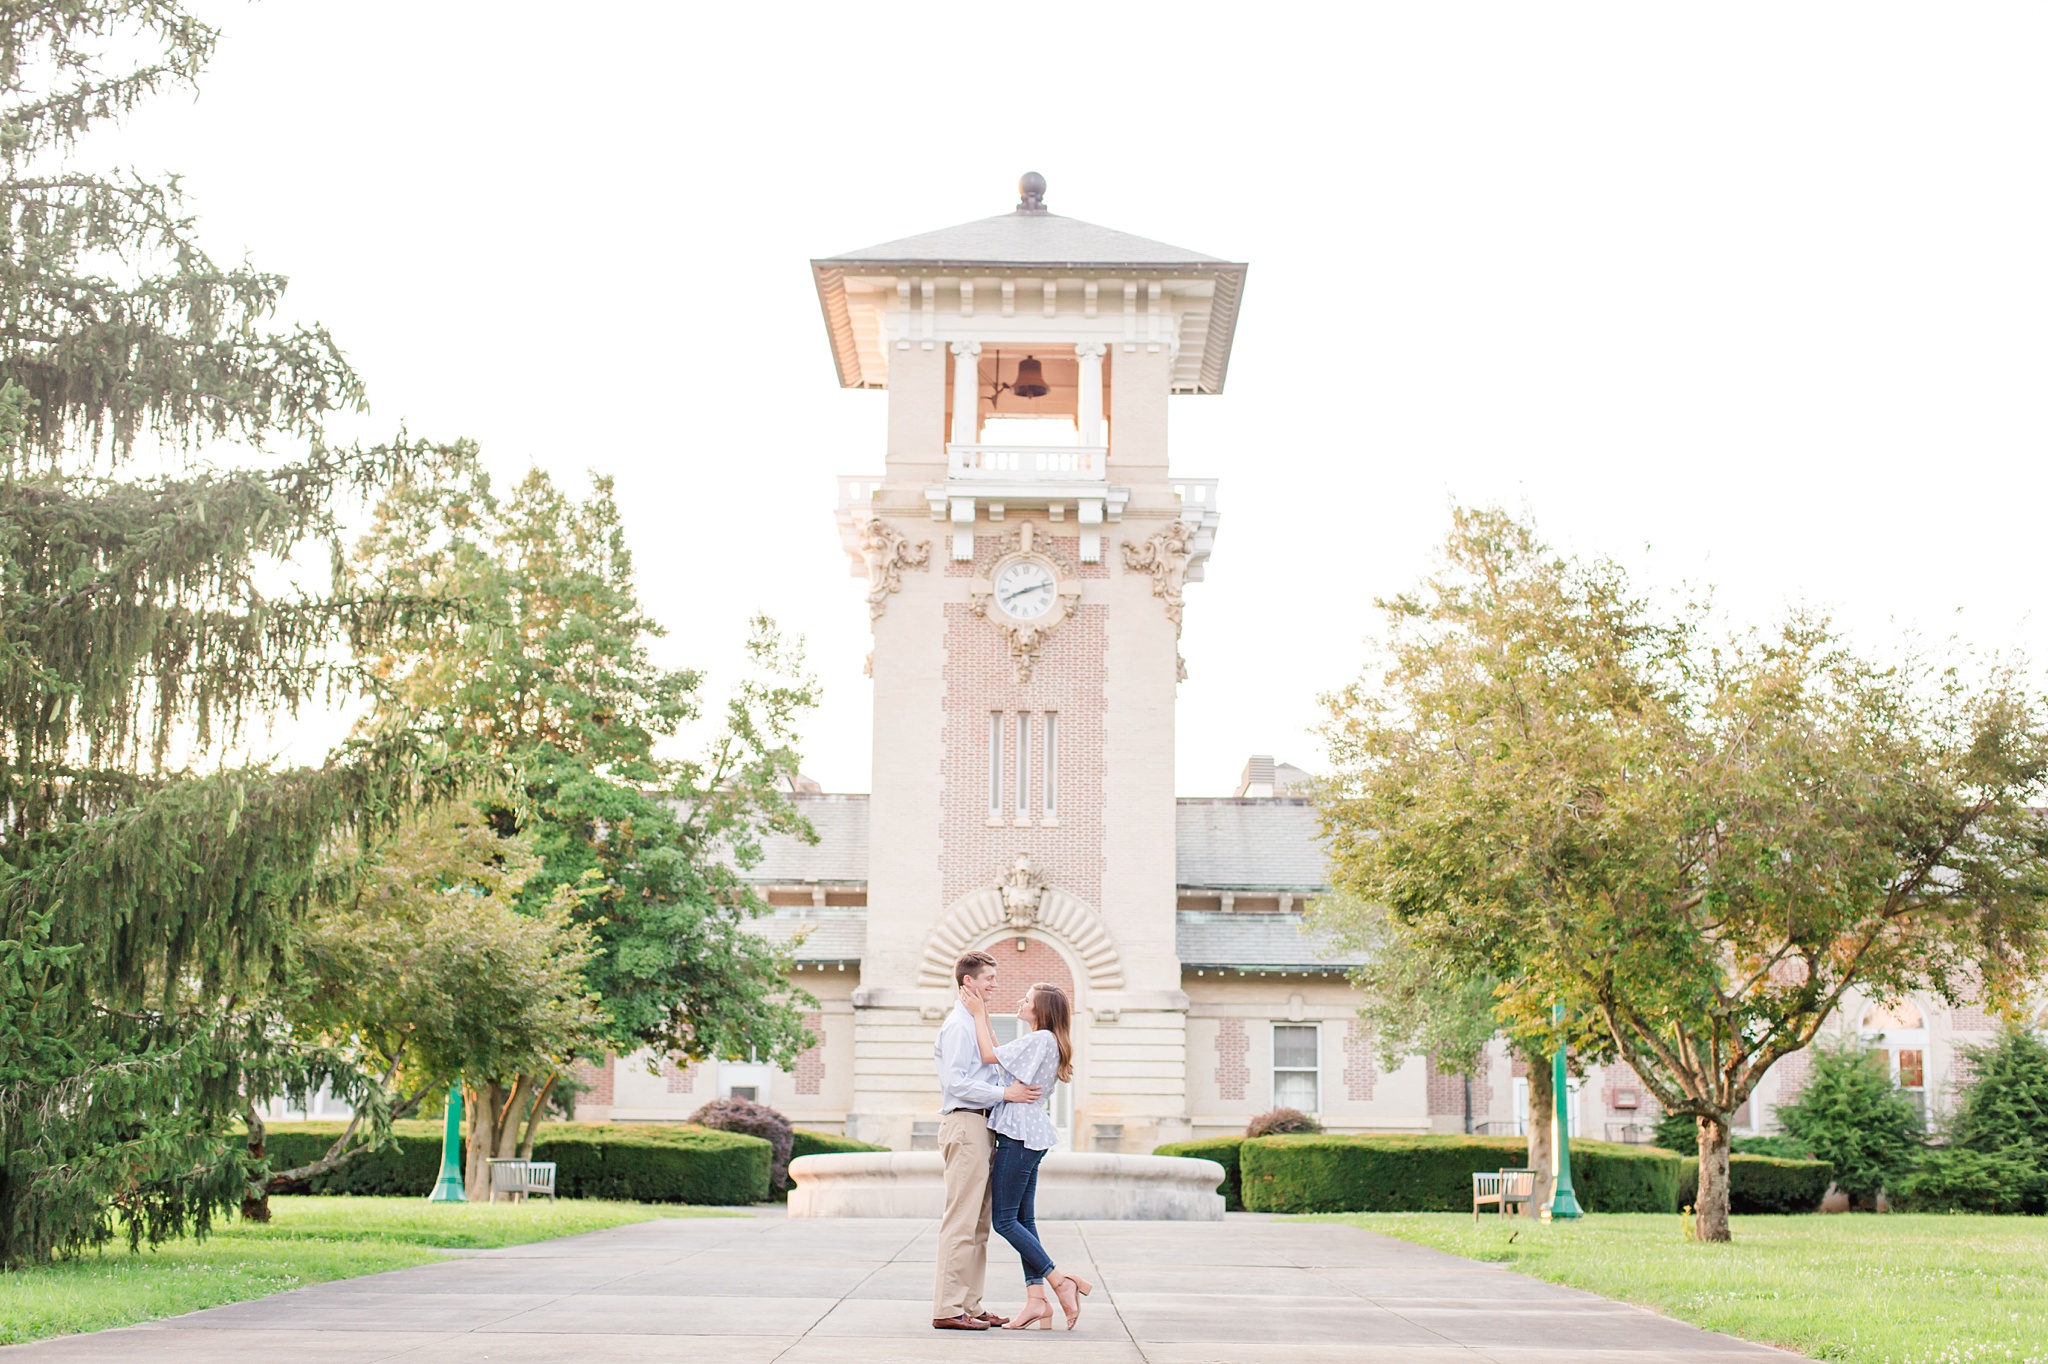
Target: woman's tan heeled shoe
{"type": "Point", "coordinates": [1070, 1290]}
{"type": "Point", "coordinates": [1024, 1320]}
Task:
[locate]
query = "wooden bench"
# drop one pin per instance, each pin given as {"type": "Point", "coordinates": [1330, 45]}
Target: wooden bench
{"type": "Point", "coordinates": [518, 1178]}
{"type": "Point", "coordinates": [1503, 1188]}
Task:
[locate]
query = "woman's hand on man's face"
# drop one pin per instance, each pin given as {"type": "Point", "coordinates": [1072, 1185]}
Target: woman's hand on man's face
{"type": "Point", "coordinates": [971, 997]}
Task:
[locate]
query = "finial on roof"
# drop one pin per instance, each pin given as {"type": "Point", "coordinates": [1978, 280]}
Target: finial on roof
{"type": "Point", "coordinates": [1032, 190]}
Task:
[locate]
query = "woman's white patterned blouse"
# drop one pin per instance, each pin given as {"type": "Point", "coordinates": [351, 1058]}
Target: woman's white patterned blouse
{"type": "Point", "coordinates": [1034, 1059]}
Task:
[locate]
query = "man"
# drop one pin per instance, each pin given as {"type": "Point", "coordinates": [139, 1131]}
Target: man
{"type": "Point", "coordinates": [967, 1089]}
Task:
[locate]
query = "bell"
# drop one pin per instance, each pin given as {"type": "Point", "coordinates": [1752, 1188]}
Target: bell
{"type": "Point", "coordinates": [1030, 379]}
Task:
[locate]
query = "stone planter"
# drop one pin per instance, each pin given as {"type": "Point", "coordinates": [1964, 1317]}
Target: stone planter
{"type": "Point", "coordinates": [1088, 1186]}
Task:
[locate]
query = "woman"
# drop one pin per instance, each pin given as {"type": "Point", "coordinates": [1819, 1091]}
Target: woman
{"type": "Point", "coordinates": [1023, 1134]}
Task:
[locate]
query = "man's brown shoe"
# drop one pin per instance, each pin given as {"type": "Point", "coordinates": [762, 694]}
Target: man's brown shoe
{"type": "Point", "coordinates": [991, 1319]}
{"type": "Point", "coordinates": [963, 1322]}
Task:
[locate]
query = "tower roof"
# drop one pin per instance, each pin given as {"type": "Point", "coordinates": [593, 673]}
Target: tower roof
{"type": "Point", "coordinates": [1020, 238]}
{"type": "Point", "coordinates": [1029, 242]}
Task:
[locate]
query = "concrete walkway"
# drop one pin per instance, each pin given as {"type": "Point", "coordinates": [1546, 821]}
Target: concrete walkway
{"type": "Point", "coordinates": [773, 1291]}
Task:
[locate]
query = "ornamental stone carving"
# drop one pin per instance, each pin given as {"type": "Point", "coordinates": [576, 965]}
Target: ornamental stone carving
{"type": "Point", "coordinates": [1165, 557]}
{"type": "Point", "coordinates": [1025, 636]}
{"type": "Point", "coordinates": [888, 552]}
{"type": "Point", "coordinates": [1022, 886]}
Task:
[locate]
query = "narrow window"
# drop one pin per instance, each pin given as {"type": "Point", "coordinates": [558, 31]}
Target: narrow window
{"type": "Point", "coordinates": [995, 764]}
{"type": "Point", "coordinates": [1023, 766]}
{"type": "Point", "coordinates": [1297, 1079]}
{"type": "Point", "coordinates": [1052, 764]}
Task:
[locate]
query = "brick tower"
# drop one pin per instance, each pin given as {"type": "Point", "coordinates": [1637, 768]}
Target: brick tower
{"type": "Point", "coordinates": [1025, 549]}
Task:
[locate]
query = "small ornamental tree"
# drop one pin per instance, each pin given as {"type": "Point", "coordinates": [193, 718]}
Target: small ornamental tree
{"type": "Point", "coordinates": [754, 1120]}
{"type": "Point", "coordinates": [1281, 1121]}
{"type": "Point", "coordinates": [1697, 844]}
{"type": "Point", "coordinates": [1852, 1116]}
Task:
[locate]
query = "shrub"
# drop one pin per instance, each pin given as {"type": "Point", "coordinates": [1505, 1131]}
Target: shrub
{"type": "Point", "coordinates": [1956, 1179]}
{"type": "Point", "coordinates": [1434, 1174]}
{"type": "Point", "coordinates": [1784, 1148]}
{"type": "Point", "coordinates": [1852, 1117]}
{"type": "Point", "coordinates": [2003, 1111]}
{"type": "Point", "coordinates": [804, 1142]}
{"type": "Point", "coordinates": [1222, 1150]}
{"type": "Point", "coordinates": [1678, 1132]}
{"type": "Point", "coordinates": [754, 1120]}
{"type": "Point", "coordinates": [1280, 1122]}
{"type": "Point", "coordinates": [1762, 1183]}
{"type": "Point", "coordinates": [644, 1162]}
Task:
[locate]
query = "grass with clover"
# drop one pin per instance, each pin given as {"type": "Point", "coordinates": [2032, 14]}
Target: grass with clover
{"type": "Point", "coordinates": [1866, 1289]}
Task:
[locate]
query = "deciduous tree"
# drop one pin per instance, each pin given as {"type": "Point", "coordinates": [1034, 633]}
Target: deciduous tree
{"type": "Point", "coordinates": [1699, 843]}
{"type": "Point", "coordinates": [546, 676]}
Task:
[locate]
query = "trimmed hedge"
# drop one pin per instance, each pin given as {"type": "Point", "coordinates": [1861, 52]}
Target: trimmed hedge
{"type": "Point", "coordinates": [1222, 1150]}
{"type": "Point", "coordinates": [1762, 1183]}
{"type": "Point", "coordinates": [1434, 1173]}
{"type": "Point", "coordinates": [807, 1143]}
{"type": "Point", "coordinates": [641, 1162]}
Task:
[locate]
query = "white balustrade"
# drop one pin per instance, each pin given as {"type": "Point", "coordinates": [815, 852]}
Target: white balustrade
{"type": "Point", "coordinates": [1027, 463]}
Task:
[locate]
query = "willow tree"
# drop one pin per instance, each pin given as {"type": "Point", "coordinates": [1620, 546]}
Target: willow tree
{"type": "Point", "coordinates": [147, 882]}
{"type": "Point", "coordinates": [1698, 844]}
{"type": "Point", "coordinates": [545, 676]}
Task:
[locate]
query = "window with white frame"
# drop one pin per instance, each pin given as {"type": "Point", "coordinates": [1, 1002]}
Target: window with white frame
{"type": "Point", "coordinates": [995, 764]}
{"type": "Point", "coordinates": [1896, 1034]}
{"type": "Point", "coordinates": [1297, 1066]}
{"type": "Point", "coordinates": [1023, 766]}
{"type": "Point", "coordinates": [1052, 763]}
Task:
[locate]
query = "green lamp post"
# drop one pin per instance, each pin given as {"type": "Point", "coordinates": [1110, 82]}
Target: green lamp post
{"type": "Point", "coordinates": [448, 1188]}
{"type": "Point", "coordinates": [1564, 1204]}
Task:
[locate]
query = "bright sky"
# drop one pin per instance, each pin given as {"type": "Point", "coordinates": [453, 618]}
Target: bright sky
{"type": "Point", "coordinates": [1750, 294]}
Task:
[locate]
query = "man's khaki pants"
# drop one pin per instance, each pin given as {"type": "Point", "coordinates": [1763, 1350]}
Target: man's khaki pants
{"type": "Point", "coordinates": [963, 1232]}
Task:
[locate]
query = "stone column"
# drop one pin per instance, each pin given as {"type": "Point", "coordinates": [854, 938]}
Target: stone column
{"type": "Point", "coordinates": [967, 390]}
{"type": "Point", "coordinates": [1091, 353]}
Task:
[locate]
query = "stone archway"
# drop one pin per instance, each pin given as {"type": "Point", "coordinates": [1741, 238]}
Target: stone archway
{"type": "Point", "coordinates": [983, 915]}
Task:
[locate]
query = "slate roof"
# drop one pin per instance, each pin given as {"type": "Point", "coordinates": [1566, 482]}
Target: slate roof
{"type": "Point", "coordinates": [1247, 845]}
{"type": "Point", "coordinates": [1251, 845]}
{"type": "Point", "coordinates": [831, 934]}
{"type": "Point", "coordinates": [1215, 938]}
{"type": "Point", "coordinates": [840, 854]}
{"type": "Point", "coordinates": [1026, 239]}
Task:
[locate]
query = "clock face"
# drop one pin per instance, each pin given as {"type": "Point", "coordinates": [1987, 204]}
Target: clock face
{"type": "Point", "coordinates": [1026, 589]}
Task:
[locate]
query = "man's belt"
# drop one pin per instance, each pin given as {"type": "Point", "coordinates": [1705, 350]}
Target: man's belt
{"type": "Point", "coordinates": [977, 1112]}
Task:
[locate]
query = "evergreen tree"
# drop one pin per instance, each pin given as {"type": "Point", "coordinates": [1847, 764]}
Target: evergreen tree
{"type": "Point", "coordinates": [1852, 1116]}
{"type": "Point", "coordinates": [147, 887]}
{"type": "Point", "coordinates": [2004, 1107]}
{"type": "Point", "coordinates": [544, 676]}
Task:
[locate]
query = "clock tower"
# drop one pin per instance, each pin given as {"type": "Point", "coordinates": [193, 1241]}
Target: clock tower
{"type": "Point", "coordinates": [1026, 546]}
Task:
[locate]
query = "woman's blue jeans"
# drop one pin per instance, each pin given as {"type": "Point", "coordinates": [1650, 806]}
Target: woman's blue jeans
{"type": "Point", "coordinates": [1013, 1189]}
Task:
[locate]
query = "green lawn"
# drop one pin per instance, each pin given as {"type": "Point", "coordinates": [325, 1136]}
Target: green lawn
{"type": "Point", "coordinates": [1893, 1289]}
{"type": "Point", "coordinates": [307, 1241]}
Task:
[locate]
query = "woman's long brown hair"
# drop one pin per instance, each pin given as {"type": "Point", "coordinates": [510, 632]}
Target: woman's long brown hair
{"type": "Point", "coordinates": [1049, 1009]}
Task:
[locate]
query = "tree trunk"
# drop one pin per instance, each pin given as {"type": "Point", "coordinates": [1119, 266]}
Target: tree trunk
{"type": "Point", "coordinates": [1542, 1113]}
{"type": "Point", "coordinates": [511, 1116]}
{"type": "Point", "coordinates": [1710, 1208]}
{"type": "Point", "coordinates": [483, 1102]}
{"type": "Point", "coordinates": [256, 1193]}
{"type": "Point", "coordinates": [533, 1117]}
